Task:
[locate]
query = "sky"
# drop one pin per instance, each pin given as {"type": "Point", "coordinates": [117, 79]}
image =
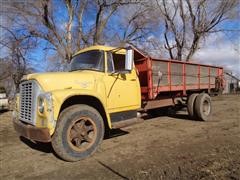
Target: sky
{"type": "Point", "coordinates": [221, 49]}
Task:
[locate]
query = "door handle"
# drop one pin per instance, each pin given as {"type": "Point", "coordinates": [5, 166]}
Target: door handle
{"type": "Point", "coordinates": [133, 80]}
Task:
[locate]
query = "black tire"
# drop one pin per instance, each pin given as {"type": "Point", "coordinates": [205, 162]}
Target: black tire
{"type": "Point", "coordinates": [191, 104]}
{"type": "Point", "coordinates": [71, 140]}
{"type": "Point", "coordinates": [203, 106]}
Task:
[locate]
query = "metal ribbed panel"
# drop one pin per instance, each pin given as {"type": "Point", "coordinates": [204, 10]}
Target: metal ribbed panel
{"type": "Point", "coordinates": [26, 101]}
{"type": "Point", "coordinates": [204, 75]}
{"type": "Point", "coordinates": [176, 74]}
{"type": "Point", "coordinates": [163, 68]}
{"type": "Point", "coordinates": [29, 91]}
{"type": "Point", "coordinates": [191, 74]}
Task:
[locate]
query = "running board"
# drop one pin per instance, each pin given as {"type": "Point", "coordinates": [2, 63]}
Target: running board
{"type": "Point", "coordinates": [126, 123]}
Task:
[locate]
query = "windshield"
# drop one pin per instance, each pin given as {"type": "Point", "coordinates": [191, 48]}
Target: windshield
{"type": "Point", "coordinates": [91, 60]}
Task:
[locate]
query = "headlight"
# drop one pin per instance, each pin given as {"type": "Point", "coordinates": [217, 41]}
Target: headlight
{"type": "Point", "coordinates": [44, 102]}
{"type": "Point", "coordinates": [41, 104]}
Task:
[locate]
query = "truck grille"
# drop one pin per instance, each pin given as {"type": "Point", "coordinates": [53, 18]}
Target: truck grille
{"type": "Point", "coordinates": [29, 91]}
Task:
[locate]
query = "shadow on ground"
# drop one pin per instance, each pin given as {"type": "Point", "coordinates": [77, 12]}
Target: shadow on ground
{"type": "Point", "coordinates": [112, 170]}
{"type": "Point", "coordinates": [43, 147]}
{"type": "Point", "coordinates": [173, 112]}
{"type": "Point", "coordinates": [115, 133]}
{"type": "Point", "coordinates": [151, 114]}
{"type": "Point", "coordinates": [3, 111]}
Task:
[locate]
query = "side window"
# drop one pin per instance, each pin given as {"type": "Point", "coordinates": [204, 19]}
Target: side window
{"type": "Point", "coordinates": [119, 61]}
{"type": "Point", "coordinates": [115, 62]}
{"type": "Point", "coordinates": [110, 65]}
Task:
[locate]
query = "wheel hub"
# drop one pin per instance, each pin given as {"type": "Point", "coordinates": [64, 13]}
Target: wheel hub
{"type": "Point", "coordinates": [206, 107]}
{"type": "Point", "coordinates": [82, 134]}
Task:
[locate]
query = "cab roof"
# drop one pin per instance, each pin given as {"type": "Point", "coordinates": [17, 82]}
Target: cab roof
{"type": "Point", "coordinates": [119, 50]}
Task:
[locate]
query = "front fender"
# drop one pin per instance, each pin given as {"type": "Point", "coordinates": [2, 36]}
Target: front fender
{"type": "Point", "coordinates": [60, 96]}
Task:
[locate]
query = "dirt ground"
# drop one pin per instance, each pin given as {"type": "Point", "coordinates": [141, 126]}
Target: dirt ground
{"type": "Point", "coordinates": [159, 148]}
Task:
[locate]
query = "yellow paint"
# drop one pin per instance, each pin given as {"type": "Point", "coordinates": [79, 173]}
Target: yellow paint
{"type": "Point", "coordinates": [116, 92]}
{"type": "Point", "coordinates": [122, 91]}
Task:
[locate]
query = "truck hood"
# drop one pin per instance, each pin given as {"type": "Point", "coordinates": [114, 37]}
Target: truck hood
{"type": "Point", "coordinates": [65, 80]}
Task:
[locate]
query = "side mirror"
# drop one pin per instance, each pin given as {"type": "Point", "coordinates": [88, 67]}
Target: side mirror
{"type": "Point", "coordinates": [129, 59]}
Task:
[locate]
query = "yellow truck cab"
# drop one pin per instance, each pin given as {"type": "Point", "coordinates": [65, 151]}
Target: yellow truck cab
{"type": "Point", "coordinates": [73, 109]}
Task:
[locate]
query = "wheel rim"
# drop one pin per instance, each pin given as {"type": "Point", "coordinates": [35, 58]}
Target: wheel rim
{"type": "Point", "coordinates": [206, 107]}
{"type": "Point", "coordinates": [82, 134]}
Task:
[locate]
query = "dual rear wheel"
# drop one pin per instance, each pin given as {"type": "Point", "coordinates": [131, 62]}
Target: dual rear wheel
{"type": "Point", "coordinates": [199, 106]}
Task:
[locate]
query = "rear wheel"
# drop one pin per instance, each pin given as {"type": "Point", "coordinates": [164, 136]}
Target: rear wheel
{"type": "Point", "coordinates": [203, 106]}
{"type": "Point", "coordinates": [79, 131]}
{"type": "Point", "coordinates": [191, 104]}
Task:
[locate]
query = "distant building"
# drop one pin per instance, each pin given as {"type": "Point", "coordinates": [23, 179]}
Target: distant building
{"type": "Point", "coordinates": [232, 83]}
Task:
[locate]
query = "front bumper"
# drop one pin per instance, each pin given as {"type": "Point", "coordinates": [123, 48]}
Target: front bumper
{"type": "Point", "coordinates": [30, 132]}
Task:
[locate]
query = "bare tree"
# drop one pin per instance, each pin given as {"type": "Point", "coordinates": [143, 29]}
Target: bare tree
{"type": "Point", "coordinates": [14, 65]}
{"type": "Point", "coordinates": [188, 22]}
{"type": "Point", "coordinates": [136, 24]}
{"type": "Point", "coordinates": [41, 20]}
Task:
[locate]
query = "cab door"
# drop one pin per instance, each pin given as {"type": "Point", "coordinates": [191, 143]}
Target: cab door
{"type": "Point", "coordinates": [122, 89]}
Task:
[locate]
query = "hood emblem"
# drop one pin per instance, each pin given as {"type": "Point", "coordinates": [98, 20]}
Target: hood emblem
{"type": "Point", "coordinates": [83, 84]}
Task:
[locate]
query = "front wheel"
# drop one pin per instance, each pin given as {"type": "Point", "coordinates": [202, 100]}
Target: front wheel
{"type": "Point", "coordinates": [79, 132]}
